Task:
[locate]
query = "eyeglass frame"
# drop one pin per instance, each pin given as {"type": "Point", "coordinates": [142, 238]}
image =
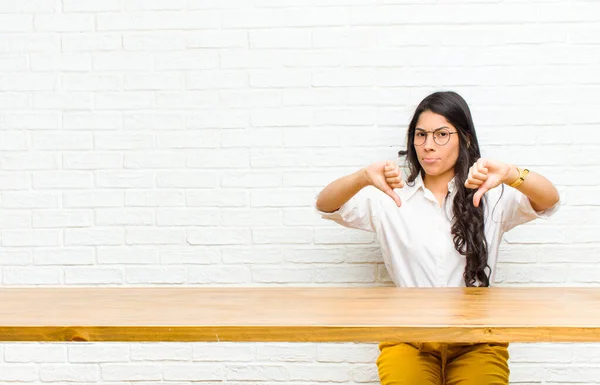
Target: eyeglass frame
{"type": "Point", "coordinates": [433, 134]}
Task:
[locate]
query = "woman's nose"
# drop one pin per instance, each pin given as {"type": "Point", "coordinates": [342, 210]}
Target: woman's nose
{"type": "Point", "coordinates": [429, 142]}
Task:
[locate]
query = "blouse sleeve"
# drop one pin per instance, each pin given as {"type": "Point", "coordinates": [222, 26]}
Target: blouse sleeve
{"type": "Point", "coordinates": [360, 212]}
{"type": "Point", "coordinates": [517, 209]}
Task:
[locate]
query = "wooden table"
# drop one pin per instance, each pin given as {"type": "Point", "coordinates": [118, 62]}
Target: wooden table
{"type": "Point", "coordinates": [300, 314]}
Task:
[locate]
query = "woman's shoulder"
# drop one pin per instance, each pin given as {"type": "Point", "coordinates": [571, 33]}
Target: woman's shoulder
{"type": "Point", "coordinates": [502, 195]}
{"type": "Point", "coordinates": [500, 200]}
{"type": "Point", "coordinates": [377, 199]}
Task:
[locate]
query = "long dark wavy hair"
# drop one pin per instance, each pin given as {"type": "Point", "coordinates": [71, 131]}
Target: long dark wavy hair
{"type": "Point", "coordinates": [468, 221]}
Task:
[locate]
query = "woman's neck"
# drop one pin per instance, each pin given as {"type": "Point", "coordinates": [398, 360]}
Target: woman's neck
{"type": "Point", "coordinates": [438, 184]}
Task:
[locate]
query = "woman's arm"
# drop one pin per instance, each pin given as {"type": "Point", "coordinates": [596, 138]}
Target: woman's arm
{"type": "Point", "coordinates": [384, 175]}
{"type": "Point", "coordinates": [486, 174]}
{"type": "Point", "coordinates": [541, 192]}
{"type": "Point", "coordinates": [338, 192]}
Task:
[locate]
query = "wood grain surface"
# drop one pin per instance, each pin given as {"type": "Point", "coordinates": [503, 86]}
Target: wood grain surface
{"type": "Point", "coordinates": [324, 314]}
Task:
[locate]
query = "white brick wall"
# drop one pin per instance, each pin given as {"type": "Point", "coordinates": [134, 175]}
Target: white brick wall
{"type": "Point", "coordinates": [148, 142]}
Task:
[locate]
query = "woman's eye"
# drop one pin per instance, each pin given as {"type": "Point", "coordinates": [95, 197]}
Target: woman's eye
{"type": "Point", "coordinates": [420, 134]}
{"type": "Point", "coordinates": [442, 134]}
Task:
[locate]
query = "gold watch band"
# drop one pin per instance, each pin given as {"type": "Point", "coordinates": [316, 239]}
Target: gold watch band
{"type": "Point", "coordinates": [522, 174]}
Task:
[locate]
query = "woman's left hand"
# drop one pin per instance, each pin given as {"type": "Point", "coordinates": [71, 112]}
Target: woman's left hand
{"type": "Point", "coordinates": [484, 175]}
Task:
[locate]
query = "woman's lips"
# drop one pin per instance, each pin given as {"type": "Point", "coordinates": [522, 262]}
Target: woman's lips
{"type": "Point", "coordinates": [430, 160]}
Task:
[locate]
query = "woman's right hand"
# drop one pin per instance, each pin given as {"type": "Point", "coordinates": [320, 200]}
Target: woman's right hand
{"type": "Point", "coordinates": [386, 176]}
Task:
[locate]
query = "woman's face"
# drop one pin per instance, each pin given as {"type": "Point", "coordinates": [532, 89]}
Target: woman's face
{"type": "Point", "coordinates": [435, 157]}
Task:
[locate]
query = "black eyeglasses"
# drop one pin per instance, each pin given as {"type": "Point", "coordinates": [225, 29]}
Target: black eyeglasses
{"type": "Point", "coordinates": [441, 136]}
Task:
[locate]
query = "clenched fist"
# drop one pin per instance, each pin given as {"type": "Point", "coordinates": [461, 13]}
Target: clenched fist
{"type": "Point", "coordinates": [386, 176]}
{"type": "Point", "coordinates": [484, 175]}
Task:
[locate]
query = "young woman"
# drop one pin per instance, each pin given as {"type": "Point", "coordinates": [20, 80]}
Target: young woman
{"type": "Point", "coordinates": [440, 228]}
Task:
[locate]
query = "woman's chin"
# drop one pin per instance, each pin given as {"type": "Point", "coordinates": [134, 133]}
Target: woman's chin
{"type": "Point", "coordinates": [434, 170]}
{"type": "Point", "coordinates": [431, 169]}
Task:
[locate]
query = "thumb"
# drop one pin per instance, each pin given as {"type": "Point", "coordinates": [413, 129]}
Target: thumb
{"type": "Point", "coordinates": [478, 195]}
{"type": "Point", "coordinates": [393, 195]}
{"type": "Point", "coordinates": [481, 163]}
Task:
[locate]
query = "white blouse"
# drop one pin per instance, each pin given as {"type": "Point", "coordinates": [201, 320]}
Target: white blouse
{"type": "Point", "coordinates": [416, 240]}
